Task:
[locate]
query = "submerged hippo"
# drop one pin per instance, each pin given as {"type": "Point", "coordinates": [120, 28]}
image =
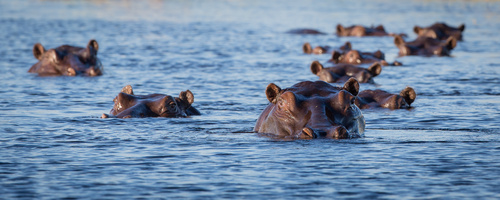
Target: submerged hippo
{"type": "Point", "coordinates": [67, 60]}
{"type": "Point", "coordinates": [356, 57]}
{"type": "Point", "coordinates": [440, 31]}
{"type": "Point", "coordinates": [305, 31]}
{"type": "Point", "coordinates": [425, 46]}
{"type": "Point", "coordinates": [342, 72]}
{"type": "Point", "coordinates": [307, 48]}
{"type": "Point", "coordinates": [380, 98]}
{"type": "Point", "coordinates": [361, 31]}
{"type": "Point", "coordinates": [311, 110]}
{"type": "Point", "coordinates": [128, 105]}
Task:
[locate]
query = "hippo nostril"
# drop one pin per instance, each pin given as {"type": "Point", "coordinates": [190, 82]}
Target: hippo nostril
{"type": "Point", "coordinates": [338, 133]}
{"type": "Point", "coordinates": [307, 133]}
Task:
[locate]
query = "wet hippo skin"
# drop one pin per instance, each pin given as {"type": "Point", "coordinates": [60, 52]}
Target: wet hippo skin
{"type": "Point", "coordinates": [425, 46]}
{"type": "Point", "coordinates": [129, 105]}
{"type": "Point", "coordinates": [342, 72]}
{"type": "Point", "coordinates": [67, 60]}
{"type": "Point", "coordinates": [312, 110]}
{"type": "Point", "coordinates": [440, 31]}
{"type": "Point", "coordinates": [383, 99]}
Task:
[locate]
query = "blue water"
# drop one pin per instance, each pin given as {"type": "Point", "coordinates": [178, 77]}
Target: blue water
{"type": "Point", "coordinates": [53, 144]}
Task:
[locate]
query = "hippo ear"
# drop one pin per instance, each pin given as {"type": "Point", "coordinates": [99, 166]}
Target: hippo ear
{"type": "Point", "coordinates": [417, 29]}
{"type": "Point", "coordinates": [340, 29]}
{"type": "Point", "coordinates": [187, 96]}
{"type": "Point", "coordinates": [380, 28]}
{"type": "Point", "coordinates": [408, 94]}
{"type": "Point", "coordinates": [316, 67]}
{"type": "Point", "coordinates": [306, 47]}
{"type": "Point", "coordinates": [398, 40]}
{"type": "Point", "coordinates": [451, 42]}
{"type": "Point", "coordinates": [375, 69]}
{"type": "Point", "coordinates": [128, 90]}
{"type": "Point", "coordinates": [461, 27]}
{"type": "Point", "coordinates": [93, 45]}
{"type": "Point", "coordinates": [352, 86]}
{"type": "Point", "coordinates": [379, 54]}
{"type": "Point", "coordinates": [272, 92]}
{"type": "Point", "coordinates": [336, 56]}
{"type": "Point", "coordinates": [38, 51]}
{"type": "Point", "coordinates": [346, 47]}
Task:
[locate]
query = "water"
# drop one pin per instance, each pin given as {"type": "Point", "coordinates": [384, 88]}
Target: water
{"type": "Point", "coordinates": [54, 145]}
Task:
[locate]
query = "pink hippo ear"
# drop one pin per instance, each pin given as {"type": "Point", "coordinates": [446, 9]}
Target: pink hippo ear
{"type": "Point", "coordinates": [38, 51]}
{"type": "Point", "coordinates": [461, 27]}
{"type": "Point", "coordinates": [187, 96]}
{"type": "Point", "coordinates": [352, 86]}
{"type": "Point", "coordinates": [272, 92]}
{"type": "Point", "coordinates": [316, 67]}
{"type": "Point", "coordinates": [398, 40]}
{"type": "Point", "coordinates": [451, 42]}
{"type": "Point", "coordinates": [375, 69]}
{"type": "Point", "coordinates": [93, 46]}
{"type": "Point", "coordinates": [128, 90]}
{"type": "Point", "coordinates": [340, 29]}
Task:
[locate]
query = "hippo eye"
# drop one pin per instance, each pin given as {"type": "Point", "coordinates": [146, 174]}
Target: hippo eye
{"type": "Point", "coordinates": [281, 104]}
{"type": "Point", "coordinates": [171, 106]}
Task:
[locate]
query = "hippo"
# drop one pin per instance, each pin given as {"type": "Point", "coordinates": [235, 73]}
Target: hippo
{"type": "Point", "coordinates": [380, 98]}
{"type": "Point", "coordinates": [307, 48]}
{"type": "Point", "coordinates": [342, 72]}
{"type": "Point", "coordinates": [128, 105]}
{"type": "Point", "coordinates": [361, 31]}
{"type": "Point", "coordinates": [312, 110]}
{"type": "Point", "coordinates": [305, 31]}
{"type": "Point", "coordinates": [425, 46]}
{"type": "Point", "coordinates": [67, 60]}
{"type": "Point", "coordinates": [440, 31]}
{"type": "Point", "coordinates": [356, 57]}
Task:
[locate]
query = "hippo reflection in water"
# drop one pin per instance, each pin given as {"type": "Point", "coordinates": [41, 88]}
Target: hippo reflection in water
{"type": "Point", "coordinates": [67, 60]}
{"type": "Point", "coordinates": [312, 110]}
{"type": "Point", "coordinates": [128, 105]}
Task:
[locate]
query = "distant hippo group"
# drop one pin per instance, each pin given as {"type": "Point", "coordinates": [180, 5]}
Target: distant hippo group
{"type": "Point", "coordinates": [303, 111]}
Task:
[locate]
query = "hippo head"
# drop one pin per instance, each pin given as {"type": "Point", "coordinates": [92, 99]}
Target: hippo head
{"type": "Point", "coordinates": [312, 109]}
{"type": "Point", "coordinates": [360, 31]}
{"type": "Point", "coordinates": [355, 57]}
{"type": "Point", "coordinates": [67, 60]}
{"type": "Point", "coordinates": [440, 31]}
{"type": "Point", "coordinates": [343, 72]}
{"type": "Point", "coordinates": [425, 46]}
{"type": "Point", "coordinates": [307, 48]}
{"type": "Point", "coordinates": [128, 105]}
{"type": "Point", "coordinates": [357, 31]}
{"type": "Point", "coordinates": [381, 98]}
